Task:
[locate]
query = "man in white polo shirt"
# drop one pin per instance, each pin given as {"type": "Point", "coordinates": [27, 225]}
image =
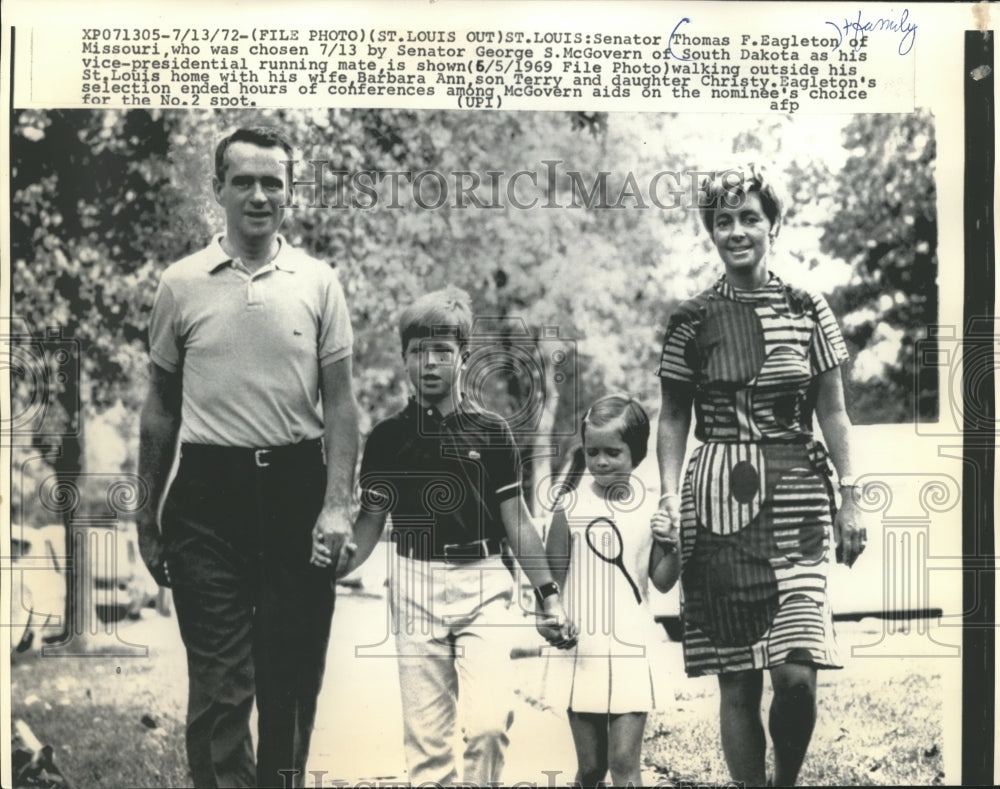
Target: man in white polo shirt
{"type": "Point", "coordinates": [250, 343]}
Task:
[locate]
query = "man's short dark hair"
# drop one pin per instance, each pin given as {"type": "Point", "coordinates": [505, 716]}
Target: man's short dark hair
{"type": "Point", "coordinates": [264, 136]}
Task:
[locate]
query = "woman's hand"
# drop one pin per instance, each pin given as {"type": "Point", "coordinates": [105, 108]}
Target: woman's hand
{"type": "Point", "coordinates": [665, 526]}
{"type": "Point", "coordinates": [848, 530]}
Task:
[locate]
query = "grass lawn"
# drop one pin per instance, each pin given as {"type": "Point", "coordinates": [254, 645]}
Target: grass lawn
{"type": "Point", "coordinates": [870, 732]}
{"type": "Point", "coordinates": [879, 722]}
{"type": "Point", "coordinates": [115, 722]}
{"type": "Point", "coordinates": [112, 721]}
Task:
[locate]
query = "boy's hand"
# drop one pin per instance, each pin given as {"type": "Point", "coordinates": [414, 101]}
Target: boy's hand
{"type": "Point", "coordinates": [554, 626]}
{"type": "Point", "coordinates": [664, 529]}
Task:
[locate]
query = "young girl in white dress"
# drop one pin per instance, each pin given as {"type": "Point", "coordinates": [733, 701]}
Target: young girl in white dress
{"type": "Point", "coordinates": [606, 540]}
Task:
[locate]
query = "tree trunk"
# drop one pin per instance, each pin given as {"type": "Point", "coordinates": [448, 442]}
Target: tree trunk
{"type": "Point", "coordinates": [68, 465]}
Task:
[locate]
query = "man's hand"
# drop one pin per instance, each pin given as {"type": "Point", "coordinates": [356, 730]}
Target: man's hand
{"type": "Point", "coordinates": [151, 548]}
{"type": "Point", "coordinates": [554, 626]}
{"type": "Point", "coordinates": [333, 540]}
{"type": "Point", "coordinates": [848, 530]}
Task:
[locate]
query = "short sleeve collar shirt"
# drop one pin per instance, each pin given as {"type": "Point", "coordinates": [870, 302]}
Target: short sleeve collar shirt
{"type": "Point", "coordinates": [249, 345]}
{"type": "Point", "coordinates": [441, 478]}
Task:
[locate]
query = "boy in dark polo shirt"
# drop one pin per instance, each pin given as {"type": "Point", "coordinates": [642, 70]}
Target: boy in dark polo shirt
{"type": "Point", "coordinates": [449, 475]}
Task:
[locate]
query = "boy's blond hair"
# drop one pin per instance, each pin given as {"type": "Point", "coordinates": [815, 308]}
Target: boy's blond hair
{"type": "Point", "coordinates": [445, 313]}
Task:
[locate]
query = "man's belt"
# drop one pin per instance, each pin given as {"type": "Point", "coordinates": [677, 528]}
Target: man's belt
{"type": "Point", "coordinates": [455, 553]}
{"type": "Point", "coordinates": [249, 457]}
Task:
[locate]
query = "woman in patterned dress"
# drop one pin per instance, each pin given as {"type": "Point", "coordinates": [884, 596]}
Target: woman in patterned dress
{"type": "Point", "coordinates": [756, 357]}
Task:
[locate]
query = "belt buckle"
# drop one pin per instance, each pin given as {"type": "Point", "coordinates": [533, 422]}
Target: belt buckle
{"type": "Point", "coordinates": [260, 458]}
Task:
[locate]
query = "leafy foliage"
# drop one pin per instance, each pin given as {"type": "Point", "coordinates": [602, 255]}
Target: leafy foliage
{"type": "Point", "coordinates": [91, 220]}
{"type": "Point", "coordinates": [104, 200]}
{"type": "Point", "coordinates": [885, 225]}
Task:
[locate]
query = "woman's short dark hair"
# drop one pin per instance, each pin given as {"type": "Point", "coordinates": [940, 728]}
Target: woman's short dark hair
{"type": "Point", "coordinates": [264, 136]}
{"type": "Point", "coordinates": [729, 188]}
{"type": "Point", "coordinates": [635, 422]}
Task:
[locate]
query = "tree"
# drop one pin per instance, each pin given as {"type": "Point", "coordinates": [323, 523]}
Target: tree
{"type": "Point", "coordinates": [87, 222]}
{"type": "Point", "coordinates": [885, 226]}
{"type": "Point", "coordinates": [587, 260]}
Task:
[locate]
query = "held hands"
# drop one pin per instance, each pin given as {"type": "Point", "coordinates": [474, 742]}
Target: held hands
{"type": "Point", "coordinates": [332, 544]}
{"type": "Point", "coordinates": [554, 626]}
{"type": "Point", "coordinates": [151, 547]}
{"type": "Point", "coordinates": [665, 522]}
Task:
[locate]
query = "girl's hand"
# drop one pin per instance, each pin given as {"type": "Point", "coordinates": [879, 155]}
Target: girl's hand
{"type": "Point", "coordinates": [665, 530]}
{"type": "Point", "coordinates": [555, 626]}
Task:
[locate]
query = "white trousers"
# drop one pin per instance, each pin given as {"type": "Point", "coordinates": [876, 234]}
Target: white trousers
{"type": "Point", "coordinates": [453, 627]}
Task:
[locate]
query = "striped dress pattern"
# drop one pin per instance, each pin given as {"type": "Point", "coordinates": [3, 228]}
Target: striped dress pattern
{"type": "Point", "coordinates": [756, 503]}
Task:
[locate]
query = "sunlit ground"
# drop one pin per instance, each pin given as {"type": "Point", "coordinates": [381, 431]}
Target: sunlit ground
{"type": "Point", "coordinates": [116, 721]}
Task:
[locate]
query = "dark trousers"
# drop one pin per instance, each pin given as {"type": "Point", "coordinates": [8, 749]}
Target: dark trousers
{"type": "Point", "coordinates": [253, 613]}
